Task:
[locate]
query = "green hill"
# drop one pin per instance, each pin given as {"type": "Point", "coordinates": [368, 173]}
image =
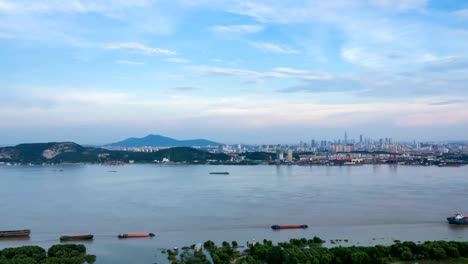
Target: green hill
{"type": "Point", "coordinates": [69, 152]}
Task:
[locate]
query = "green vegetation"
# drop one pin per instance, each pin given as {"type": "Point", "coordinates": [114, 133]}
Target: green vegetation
{"type": "Point", "coordinates": [311, 251]}
{"type": "Point", "coordinates": [260, 156]}
{"type": "Point", "coordinates": [57, 254]}
{"type": "Point", "coordinates": [188, 255]}
{"type": "Point", "coordinates": [70, 152]}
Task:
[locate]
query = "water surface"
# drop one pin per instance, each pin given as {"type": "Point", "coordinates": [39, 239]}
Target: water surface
{"type": "Point", "coordinates": [184, 205]}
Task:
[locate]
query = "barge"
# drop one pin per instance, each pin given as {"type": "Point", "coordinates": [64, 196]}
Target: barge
{"type": "Point", "coordinates": [278, 227]}
{"type": "Point", "coordinates": [15, 233]}
{"type": "Point", "coordinates": [135, 235]}
{"type": "Point", "coordinates": [76, 238]}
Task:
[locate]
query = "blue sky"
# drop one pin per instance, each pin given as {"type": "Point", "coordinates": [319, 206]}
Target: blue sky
{"type": "Point", "coordinates": [262, 71]}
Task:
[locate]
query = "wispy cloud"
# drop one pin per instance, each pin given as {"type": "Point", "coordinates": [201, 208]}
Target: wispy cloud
{"type": "Point", "coordinates": [461, 14]}
{"type": "Point", "coordinates": [177, 60]}
{"type": "Point", "coordinates": [283, 73]}
{"type": "Point", "coordinates": [129, 62]}
{"type": "Point", "coordinates": [185, 88]}
{"type": "Point", "coordinates": [447, 64]}
{"type": "Point", "coordinates": [321, 86]}
{"type": "Point", "coordinates": [140, 48]}
{"type": "Point", "coordinates": [449, 102]}
{"type": "Point", "coordinates": [237, 29]}
{"type": "Point", "coordinates": [273, 48]}
{"type": "Point", "coordinates": [73, 6]}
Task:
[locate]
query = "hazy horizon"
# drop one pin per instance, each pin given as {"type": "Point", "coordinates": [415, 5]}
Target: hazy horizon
{"type": "Point", "coordinates": [254, 72]}
{"type": "Point", "coordinates": [351, 137]}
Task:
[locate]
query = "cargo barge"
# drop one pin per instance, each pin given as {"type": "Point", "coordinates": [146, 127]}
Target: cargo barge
{"type": "Point", "coordinates": [135, 235]}
{"type": "Point", "coordinates": [76, 238]}
{"type": "Point", "coordinates": [277, 227]}
{"type": "Point", "coordinates": [15, 233]}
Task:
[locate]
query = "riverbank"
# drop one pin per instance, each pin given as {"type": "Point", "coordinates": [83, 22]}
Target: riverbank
{"type": "Point", "coordinates": [312, 251]}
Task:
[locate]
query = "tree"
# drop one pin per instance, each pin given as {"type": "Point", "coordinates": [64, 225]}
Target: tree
{"type": "Point", "coordinates": [234, 244]}
{"type": "Point", "coordinates": [360, 258]}
{"type": "Point", "coordinates": [275, 255]}
{"type": "Point", "coordinates": [406, 255]}
{"type": "Point", "coordinates": [326, 259]}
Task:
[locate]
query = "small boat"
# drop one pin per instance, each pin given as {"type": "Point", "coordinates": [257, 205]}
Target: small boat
{"type": "Point", "coordinates": [76, 238]}
{"type": "Point", "coordinates": [277, 227]}
{"type": "Point", "coordinates": [15, 233]}
{"type": "Point", "coordinates": [135, 235]}
{"type": "Point", "coordinates": [458, 219]}
{"type": "Point", "coordinates": [220, 172]}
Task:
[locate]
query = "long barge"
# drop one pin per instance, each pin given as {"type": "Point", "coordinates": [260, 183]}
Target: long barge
{"type": "Point", "coordinates": [277, 227]}
{"type": "Point", "coordinates": [135, 235]}
{"type": "Point", "coordinates": [76, 238]}
{"type": "Point", "coordinates": [15, 233]}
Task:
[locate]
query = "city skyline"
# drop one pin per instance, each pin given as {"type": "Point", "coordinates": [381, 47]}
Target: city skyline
{"type": "Point", "coordinates": [249, 72]}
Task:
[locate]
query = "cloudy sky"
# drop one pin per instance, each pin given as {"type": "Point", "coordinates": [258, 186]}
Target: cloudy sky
{"type": "Point", "coordinates": [263, 71]}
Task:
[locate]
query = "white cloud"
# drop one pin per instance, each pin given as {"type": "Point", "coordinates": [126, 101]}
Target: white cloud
{"type": "Point", "coordinates": [238, 29]}
{"type": "Point", "coordinates": [89, 97]}
{"type": "Point", "coordinates": [399, 4]}
{"type": "Point", "coordinates": [177, 60]}
{"type": "Point", "coordinates": [273, 48]}
{"type": "Point", "coordinates": [129, 62]}
{"type": "Point", "coordinates": [107, 7]}
{"type": "Point", "coordinates": [140, 48]}
{"type": "Point", "coordinates": [6, 6]}
{"type": "Point", "coordinates": [281, 73]}
{"type": "Point", "coordinates": [461, 14]}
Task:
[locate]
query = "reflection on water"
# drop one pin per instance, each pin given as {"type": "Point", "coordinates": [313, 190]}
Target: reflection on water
{"type": "Point", "coordinates": [184, 205]}
{"type": "Point", "coordinates": [14, 239]}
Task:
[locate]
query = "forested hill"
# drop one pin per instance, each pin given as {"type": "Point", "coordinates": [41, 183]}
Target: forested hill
{"type": "Point", "coordinates": [69, 152]}
{"type": "Point", "coordinates": [161, 141]}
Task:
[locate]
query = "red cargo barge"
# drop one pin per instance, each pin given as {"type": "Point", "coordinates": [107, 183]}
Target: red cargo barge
{"type": "Point", "coordinates": [135, 235]}
{"type": "Point", "coordinates": [277, 227]}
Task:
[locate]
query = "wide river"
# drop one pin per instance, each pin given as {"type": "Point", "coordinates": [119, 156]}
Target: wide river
{"type": "Point", "coordinates": [185, 204]}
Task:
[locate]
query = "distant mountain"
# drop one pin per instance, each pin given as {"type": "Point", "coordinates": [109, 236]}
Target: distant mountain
{"type": "Point", "coordinates": [161, 141]}
{"type": "Point", "coordinates": [69, 152]}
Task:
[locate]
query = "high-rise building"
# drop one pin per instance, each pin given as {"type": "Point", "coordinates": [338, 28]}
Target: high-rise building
{"type": "Point", "coordinates": [346, 137]}
{"type": "Point", "coordinates": [290, 155]}
{"type": "Point", "coordinates": [360, 139]}
{"type": "Point", "coordinates": [279, 155]}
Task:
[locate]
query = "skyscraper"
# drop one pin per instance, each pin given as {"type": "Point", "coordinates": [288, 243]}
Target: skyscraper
{"type": "Point", "coordinates": [360, 139]}
{"type": "Point", "coordinates": [346, 137]}
{"type": "Point", "coordinates": [290, 155]}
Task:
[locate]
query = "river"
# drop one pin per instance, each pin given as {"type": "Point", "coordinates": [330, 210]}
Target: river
{"type": "Point", "coordinates": [184, 204]}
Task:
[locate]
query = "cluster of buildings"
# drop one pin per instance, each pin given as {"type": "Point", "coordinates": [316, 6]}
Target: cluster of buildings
{"type": "Point", "coordinates": [343, 151]}
{"type": "Point", "coordinates": [351, 152]}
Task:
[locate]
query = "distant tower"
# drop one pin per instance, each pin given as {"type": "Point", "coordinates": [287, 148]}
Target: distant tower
{"type": "Point", "coordinates": [360, 139]}
{"type": "Point", "coordinates": [290, 155]}
{"type": "Point", "coordinates": [279, 155]}
{"type": "Point", "coordinates": [346, 137]}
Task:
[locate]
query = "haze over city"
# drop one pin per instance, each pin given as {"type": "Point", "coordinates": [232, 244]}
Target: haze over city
{"type": "Point", "coordinates": [233, 71]}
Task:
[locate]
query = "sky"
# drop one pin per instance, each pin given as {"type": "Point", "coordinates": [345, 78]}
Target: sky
{"type": "Point", "coordinates": [263, 71]}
